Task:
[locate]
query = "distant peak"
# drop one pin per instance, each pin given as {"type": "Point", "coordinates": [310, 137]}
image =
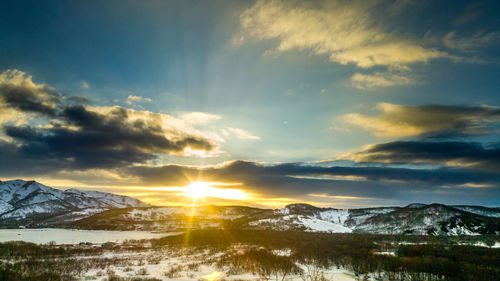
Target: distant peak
{"type": "Point", "coordinates": [415, 205]}
{"type": "Point", "coordinates": [73, 190]}
{"type": "Point", "coordinates": [438, 205]}
{"type": "Point", "coordinates": [17, 180]}
{"type": "Point", "coordinates": [300, 205]}
{"type": "Point", "coordinates": [301, 208]}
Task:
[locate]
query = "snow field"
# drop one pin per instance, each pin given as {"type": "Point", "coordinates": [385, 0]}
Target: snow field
{"type": "Point", "coordinates": [73, 236]}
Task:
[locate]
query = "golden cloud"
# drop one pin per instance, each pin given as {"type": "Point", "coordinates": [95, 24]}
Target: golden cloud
{"type": "Point", "coordinates": [404, 121]}
{"type": "Point", "coordinates": [346, 31]}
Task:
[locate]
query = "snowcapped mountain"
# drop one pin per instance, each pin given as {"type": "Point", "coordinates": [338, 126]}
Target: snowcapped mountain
{"type": "Point", "coordinates": [24, 202]}
{"type": "Point", "coordinates": [433, 219]}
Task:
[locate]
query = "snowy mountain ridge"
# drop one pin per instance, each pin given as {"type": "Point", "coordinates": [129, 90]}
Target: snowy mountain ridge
{"type": "Point", "coordinates": [29, 203]}
{"type": "Point", "coordinates": [421, 219]}
{"type": "Point", "coordinates": [432, 219]}
{"type": "Point", "coordinates": [23, 201]}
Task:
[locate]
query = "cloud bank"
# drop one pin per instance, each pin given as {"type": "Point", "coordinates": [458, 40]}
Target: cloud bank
{"type": "Point", "coordinates": [297, 180]}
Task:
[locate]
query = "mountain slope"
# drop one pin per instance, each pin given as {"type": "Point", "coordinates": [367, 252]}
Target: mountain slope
{"type": "Point", "coordinates": [434, 219]}
{"type": "Point", "coordinates": [429, 219]}
{"type": "Point", "coordinates": [23, 202]}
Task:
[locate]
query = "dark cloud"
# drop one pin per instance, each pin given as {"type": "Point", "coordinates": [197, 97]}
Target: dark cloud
{"type": "Point", "coordinates": [430, 120]}
{"type": "Point", "coordinates": [115, 130]}
{"type": "Point", "coordinates": [92, 140]}
{"type": "Point", "coordinates": [77, 149]}
{"type": "Point", "coordinates": [250, 171]}
{"type": "Point", "coordinates": [18, 92]}
{"type": "Point", "coordinates": [78, 100]}
{"type": "Point", "coordinates": [29, 100]}
{"type": "Point", "coordinates": [469, 154]}
{"type": "Point", "coordinates": [16, 164]}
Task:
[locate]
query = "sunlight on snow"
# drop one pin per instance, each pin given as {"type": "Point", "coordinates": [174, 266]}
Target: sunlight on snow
{"type": "Point", "coordinates": [212, 276]}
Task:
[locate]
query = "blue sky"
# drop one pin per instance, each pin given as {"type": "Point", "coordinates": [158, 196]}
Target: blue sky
{"type": "Point", "coordinates": [310, 84]}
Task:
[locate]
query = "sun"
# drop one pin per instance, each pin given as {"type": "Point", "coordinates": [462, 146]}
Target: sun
{"type": "Point", "coordinates": [201, 190]}
{"type": "Point", "coordinates": [197, 190]}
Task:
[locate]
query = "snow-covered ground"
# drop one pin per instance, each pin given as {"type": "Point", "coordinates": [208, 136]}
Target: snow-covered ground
{"type": "Point", "coordinates": [313, 224]}
{"type": "Point", "coordinates": [327, 223]}
{"type": "Point", "coordinates": [482, 244]}
{"type": "Point", "coordinates": [190, 266]}
{"type": "Point", "coordinates": [335, 216]}
{"type": "Point", "coordinates": [73, 236]}
{"type": "Point", "coordinates": [162, 263]}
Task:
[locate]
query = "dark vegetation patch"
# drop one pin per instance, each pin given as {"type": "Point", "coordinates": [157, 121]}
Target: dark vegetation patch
{"type": "Point", "coordinates": [439, 256]}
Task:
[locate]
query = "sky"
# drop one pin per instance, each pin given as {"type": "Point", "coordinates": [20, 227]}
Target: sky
{"type": "Point", "coordinates": [335, 103]}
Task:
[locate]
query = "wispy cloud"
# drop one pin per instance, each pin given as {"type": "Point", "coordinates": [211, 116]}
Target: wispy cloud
{"type": "Point", "coordinates": [471, 43]}
{"type": "Point", "coordinates": [380, 80]}
{"type": "Point", "coordinates": [199, 117]}
{"type": "Point", "coordinates": [347, 32]}
{"type": "Point", "coordinates": [360, 33]}
{"type": "Point", "coordinates": [85, 85]}
{"type": "Point", "coordinates": [242, 134]}
{"type": "Point", "coordinates": [471, 13]}
{"type": "Point", "coordinates": [131, 99]}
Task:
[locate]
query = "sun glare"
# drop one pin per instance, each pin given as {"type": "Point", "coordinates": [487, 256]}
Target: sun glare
{"type": "Point", "coordinates": [197, 190]}
{"type": "Point", "coordinates": [200, 190]}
